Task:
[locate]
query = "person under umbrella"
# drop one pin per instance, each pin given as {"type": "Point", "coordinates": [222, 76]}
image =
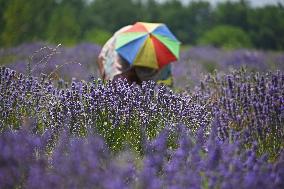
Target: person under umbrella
{"type": "Point", "coordinates": [140, 52]}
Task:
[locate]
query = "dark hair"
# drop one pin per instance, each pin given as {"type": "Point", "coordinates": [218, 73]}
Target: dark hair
{"type": "Point", "coordinates": [130, 75]}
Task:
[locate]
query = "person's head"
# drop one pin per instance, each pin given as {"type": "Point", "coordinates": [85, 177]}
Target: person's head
{"type": "Point", "coordinates": [130, 75]}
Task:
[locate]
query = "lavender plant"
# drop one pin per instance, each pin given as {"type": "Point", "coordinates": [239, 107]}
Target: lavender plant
{"type": "Point", "coordinates": [38, 58]}
{"type": "Point", "coordinates": [86, 162]}
{"type": "Point", "coordinates": [251, 103]}
{"type": "Point", "coordinates": [116, 110]}
{"type": "Point", "coordinates": [18, 155]}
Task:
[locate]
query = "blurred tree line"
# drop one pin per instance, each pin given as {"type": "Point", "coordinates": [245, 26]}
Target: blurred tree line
{"type": "Point", "coordinates": [228, 24]}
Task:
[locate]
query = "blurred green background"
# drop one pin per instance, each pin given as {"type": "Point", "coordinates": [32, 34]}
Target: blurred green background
{"type": "Point", "coordinates": [228, 24]}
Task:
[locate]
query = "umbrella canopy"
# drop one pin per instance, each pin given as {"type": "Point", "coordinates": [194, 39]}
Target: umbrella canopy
{"type": "Point", "coordinates": [149, 45]}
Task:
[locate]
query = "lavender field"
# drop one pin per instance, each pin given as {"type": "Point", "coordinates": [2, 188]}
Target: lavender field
{"type": "Point", "coordinates": [193, 65]}
{"type": "Point", "coordinates": [221, 126]}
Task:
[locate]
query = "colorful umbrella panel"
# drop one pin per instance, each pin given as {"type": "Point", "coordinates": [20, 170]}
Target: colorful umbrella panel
{"type": "Point", "coordinates": [150, 45]}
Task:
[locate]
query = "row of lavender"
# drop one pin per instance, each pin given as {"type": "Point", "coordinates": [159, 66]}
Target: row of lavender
{"type": "Point", "coordinates": [252, 103]}
{"type": "Point", "coordinates": [117, 110]}
{"type": "Point", "coordinates": [87, 163]}
{"type": "Point", "coordinates": [160, 138]}
{"type": "Point", "coordinates": [44, 58]}
{"type": "Point", "coordinates": [196, 62]}
{"type": "Point", "coordinates": [193, 63]}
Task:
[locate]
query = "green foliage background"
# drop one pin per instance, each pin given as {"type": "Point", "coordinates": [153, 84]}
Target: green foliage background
{"type": "Point", "coordinates": [227, 37]}
{"type": "Point", "coordinates": [72, 21]}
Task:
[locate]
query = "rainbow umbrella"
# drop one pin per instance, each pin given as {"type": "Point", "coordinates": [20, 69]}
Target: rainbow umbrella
{"type": "Point", "coordinates": [149, 45]}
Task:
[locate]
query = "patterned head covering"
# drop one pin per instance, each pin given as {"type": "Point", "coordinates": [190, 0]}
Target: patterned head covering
{"type": "Point", "coordinates": [112, 63]}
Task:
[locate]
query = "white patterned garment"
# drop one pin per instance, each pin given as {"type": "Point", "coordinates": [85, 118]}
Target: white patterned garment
{"type": "Point", "coordinates": [112, 63]}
